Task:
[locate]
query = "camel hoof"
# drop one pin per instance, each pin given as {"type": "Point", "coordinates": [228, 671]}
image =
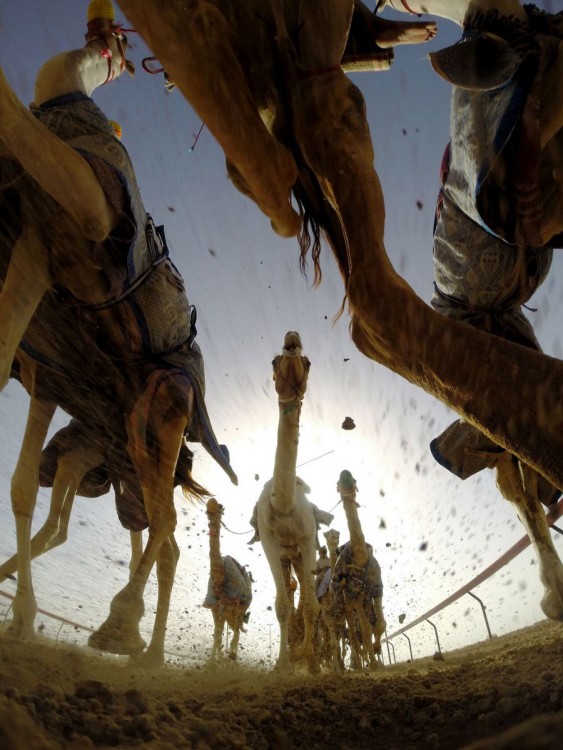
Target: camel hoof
{"type": "Point", "coordinates": [147, 660]}
{"type": "Point", "coordinates": [313, 665]}
{"type": "Point", "coordinates": [20, 632]}
{"type": "Point", "coordinates": [113, 640]}
{"type": "Point", "coordinates": [552, 607]}
{"type": "Point", "coordinates": [284, 667]}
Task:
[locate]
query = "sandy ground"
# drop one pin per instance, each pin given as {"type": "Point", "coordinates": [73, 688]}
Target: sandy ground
{"type": "Point", "coordinates": [503, 693]}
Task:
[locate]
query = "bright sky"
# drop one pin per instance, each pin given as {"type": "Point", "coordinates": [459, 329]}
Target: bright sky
{"type": "Point", "coordinates": [431, 533]}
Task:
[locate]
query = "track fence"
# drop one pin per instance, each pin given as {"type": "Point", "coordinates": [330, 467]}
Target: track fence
{"type": "Point", "coordinates": [503, 560]}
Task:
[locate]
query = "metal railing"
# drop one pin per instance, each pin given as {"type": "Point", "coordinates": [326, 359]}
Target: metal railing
{"type": "Point", "coordinates": [503, 560]}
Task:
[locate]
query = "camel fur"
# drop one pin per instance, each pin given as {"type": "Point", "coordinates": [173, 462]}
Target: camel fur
{"type": "Point", "coordinates": [498, 219]}
{"type": "Point", "coordinates": [286, 521]}
{"type": "Point", "coordinates": [318, 142]}
{"type": "Point", "coordinates": [357, 579]}
{"type": "Point", "coordinates": [72, 219]}
{"type": "Point", "coordinates": [230, 588]}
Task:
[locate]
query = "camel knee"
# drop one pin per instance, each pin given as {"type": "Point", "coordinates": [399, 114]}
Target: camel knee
{"type": "Point", "coordinates": [23, 500]}
{"type": "Point", "coordinates": [283, 609]}
{"type": "Point", "coordinates": [96, 229]}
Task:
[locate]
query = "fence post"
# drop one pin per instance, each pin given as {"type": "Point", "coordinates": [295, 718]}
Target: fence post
{"type": "Point", "coordinates": [483, 608]}
{"type": "Point", "coordinates": [410, 648]}
{"type": "Point", "coordinates": [436, 633]}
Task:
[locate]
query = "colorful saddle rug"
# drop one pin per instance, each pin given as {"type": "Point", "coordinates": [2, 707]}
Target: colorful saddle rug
{"type": "Point", "coordinates": [152, 322]}
{"type": "Point", "coordinates": [236, 585]}
{"type": "Point", "coordinates": [359, 582]}
{"type": "Point", "coordinates": [499, 177]}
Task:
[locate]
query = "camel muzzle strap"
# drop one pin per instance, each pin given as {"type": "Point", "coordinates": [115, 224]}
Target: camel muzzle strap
{"type": "Point", "coordinates": [100, 29]}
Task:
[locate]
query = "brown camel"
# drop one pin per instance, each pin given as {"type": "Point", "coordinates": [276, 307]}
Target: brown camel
{"type": "Point", "coordinates": [493, 240]}
{"type": "Point", "coordinates": [229, 593]}
{"type": "Point", "coordinates": [357, 579]}
{"type": "Point", "coordinates": [290, 71]}
{"type": "Point", "coordinates": [76, 220]}
{"type": "Point", "coordinates": [291, 74]}
{"type": "Point", "coordinates": [74, 462]}
{"type": "Point", "coordinates": [331, 621]}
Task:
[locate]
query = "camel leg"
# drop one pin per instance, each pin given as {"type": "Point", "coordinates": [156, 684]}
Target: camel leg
{"type": "Point", "coordinates": [367, 636]}
{"type": "Point", "coordinates": [218, 628]}
{"type": "Point", "coordinates": [55, 166]}
{"type": "Point", "coordinates": [233, 648]}
{"type": "Point", "coordinates": [392, 326]}
{"type": "Point", "coordinates": [283, 604]}
{"type": "Point", "coordinates": [518, 484]}
{"type": "Point", "coordinates": [356, 656]}
{"type": "Point", "coordinates": [70, 470]}
{"type": "Point", "coordinates": [25, 484]}
{"type": "Point", "coordinates": [380, 624]}
{"type": "Point", "coordinates": [166, 563]}
{"type": "Point", "coordinates": [26, 281]}
{"type": "Point", "coordinates": [330, 623]}
{"type": "Point", "coordinates": [311, 609]}
{"type": "Point", "coordinates": [199, 56]}
{"type": "Point", "coordinates": [136, 551]}
{"type": "Point", "coordinates": [119, 634]}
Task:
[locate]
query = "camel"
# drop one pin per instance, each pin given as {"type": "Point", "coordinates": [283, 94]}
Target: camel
{"type": "Point", "coordinates": [493, 241]}
{"type": "Point", "coordinates": [77, 222]}
{"type": "Point", "coordinates": [357, 579]}
{"type": "Point", "coordinates": [229, 593]}
{"type": "Point", "coordinates": [286, 520]}
{"type": "Point", "coordinates": [234, 61]}
{"type": "Point", "coordinates": [74, 462]}
{"type": "Point", "coordinates": [331, 620]}
{"type": "Point", "coordinates": [317, 113]}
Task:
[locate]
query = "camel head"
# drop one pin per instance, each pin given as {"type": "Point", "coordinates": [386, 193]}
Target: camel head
{"type": "Point", "coordinates": [332, 538]}
{"type": "Point", "coordinates": [346, 486]}
{"type": "Point", "coordinates": [214, 510]}
{"type": "Point", "coordinates": [102, 26]}
{"type": "Point", "coordinates": [291, 369]}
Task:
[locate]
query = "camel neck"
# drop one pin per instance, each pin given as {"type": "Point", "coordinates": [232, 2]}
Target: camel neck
{"type": "Point", "coordinates": [82, 70]}
{"type": "Point", "coordinates": [332, 558]}
{"type": "Point", "coordinates": [286, 454]}
{"type": "Point", "coordinates": [357, 539]}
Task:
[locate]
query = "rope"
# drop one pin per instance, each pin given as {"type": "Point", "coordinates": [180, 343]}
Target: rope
{"type": "Point", "coordinates": [236, 532]}
{"type": "Point", "coordinates": [310, 461]}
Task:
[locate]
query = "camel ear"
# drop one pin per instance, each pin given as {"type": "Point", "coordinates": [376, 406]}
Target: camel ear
{"type": "Point", "coordinates": [304, 486]}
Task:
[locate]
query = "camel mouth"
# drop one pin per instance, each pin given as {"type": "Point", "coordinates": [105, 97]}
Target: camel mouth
{"type": "Point", "coordinates": [292, 344]}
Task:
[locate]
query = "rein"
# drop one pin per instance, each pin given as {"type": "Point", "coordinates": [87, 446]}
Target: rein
{"type": "Point", "coordinates": [100, 29]}
{"type": "Point", "coordinates": [169, 85]}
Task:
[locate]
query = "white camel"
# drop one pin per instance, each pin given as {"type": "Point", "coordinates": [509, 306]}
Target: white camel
{"type": "Point", "coordinates": [286, 519]}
